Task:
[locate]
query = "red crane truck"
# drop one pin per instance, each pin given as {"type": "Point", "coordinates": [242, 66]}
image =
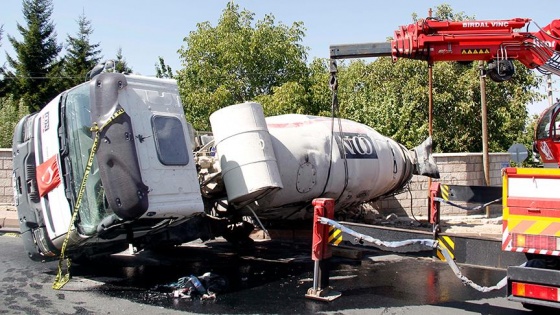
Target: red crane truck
{"type": "Point", "coordinates": [531, 202]}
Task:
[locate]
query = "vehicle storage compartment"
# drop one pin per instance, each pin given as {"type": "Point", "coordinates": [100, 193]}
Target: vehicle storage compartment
{"type": "Point", "coordinates": [532, 211]}
{"type": "Point", "coordinates": [119, 169]}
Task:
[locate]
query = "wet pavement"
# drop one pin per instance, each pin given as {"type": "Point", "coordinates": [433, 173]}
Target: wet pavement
{"type": "Point", "coordinates": [271, 277]}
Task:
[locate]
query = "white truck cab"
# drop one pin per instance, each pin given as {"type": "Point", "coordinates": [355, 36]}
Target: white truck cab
{"type": "Point", "coordinates": [142, 178]}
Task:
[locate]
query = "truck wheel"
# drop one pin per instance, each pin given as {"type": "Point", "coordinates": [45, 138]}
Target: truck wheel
{"type": "Point", "coordinates": [538, 309]}
{"type": "Point", "coordinates": [536, 263]}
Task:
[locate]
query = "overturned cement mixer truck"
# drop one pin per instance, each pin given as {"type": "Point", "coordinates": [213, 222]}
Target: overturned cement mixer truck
{"type": "Point", "coordinates": [113, 162]}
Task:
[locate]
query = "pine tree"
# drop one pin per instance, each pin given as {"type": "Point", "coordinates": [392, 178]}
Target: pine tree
{"type": "Point", "coordinates": [2, 81]}
{"type": "Point", "coordinates": [120, 64]}
{"type": "Point", "coordinates": [36, 70]}
{"type": "Point", "coordinates": [81, 55]}
{"type": "Point", "coordinates": [163, 70]}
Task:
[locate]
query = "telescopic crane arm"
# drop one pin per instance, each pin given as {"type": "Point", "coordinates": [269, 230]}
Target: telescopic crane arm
{"type": "Point", "coordinates": [498, 42]}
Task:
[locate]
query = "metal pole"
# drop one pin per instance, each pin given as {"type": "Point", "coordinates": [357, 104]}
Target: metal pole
{"type": "Point", "coordinates": [549, 89]}
{"type": "Point", "coordinates": [430, 104]}
{"type": "Point", "coordinates": [316, 276]}
{"type": "Point", "coordinates": [430, 99]}
{"type": "Point", "coordinates": [484, 116]}
{"type": "Point", "coordinates": [430, 92]}
{"type": "Point", "coordinates": [430, 117]}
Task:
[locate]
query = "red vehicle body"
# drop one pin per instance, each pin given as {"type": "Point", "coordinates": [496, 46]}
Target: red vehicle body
{"type": "Point", "coordinates": [531, 206]}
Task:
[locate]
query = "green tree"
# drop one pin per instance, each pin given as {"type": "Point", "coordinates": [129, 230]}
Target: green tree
{"type": "Point", "coordinates": [236, 61]}
{"type": "Point", "coordinates": [11, 111]}
{"type": "Point", "coordinates": [163, 70]}
{"type": "Point", "coordinates": [445, 12]}
{"type": "Point", "coordinates": [81, 55]}
{"type": "Point", "coordinates": [527, 138]}
{"type": "Point", "coordinates": [36, 69]}
{"type": "Point", "coordinates": [2, 70]}
{"type": "Point", "coordinates": [310, 95]}
{"type": "Point", "coordinates": [121, 65]}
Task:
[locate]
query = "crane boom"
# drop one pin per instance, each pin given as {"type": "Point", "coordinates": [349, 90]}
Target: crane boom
{"type": "Point", "coordinates": [495, 41]}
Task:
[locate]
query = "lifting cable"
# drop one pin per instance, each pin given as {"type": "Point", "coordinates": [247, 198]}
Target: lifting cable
{"type": "Point", "coordinates": [335, 114]}
{"type": "Point", "coordinates": [465, 207]}
{"type": "Point", "coordinates": [60, 280]}
{"type": "Point", "coordinates": [425, 242]}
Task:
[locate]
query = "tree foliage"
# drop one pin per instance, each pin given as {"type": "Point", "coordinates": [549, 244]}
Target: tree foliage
{"type": "Point", "coordinates": [2, 81]}
{"type": "Point", "coordinates": [163, 70]}
{"type": "Point", "coordinates": [242, 59]}
{"type": "Point", "coordinates": [310, 95]}
{"type": "Point", "coordinates": [236, 61]}
{"type": "Point", "coordinates": [81, 55]}
{"type": "Point", "coordinates": [36, 68]}
{"type": "Point", "coordinates": [11, 111]}
{"type": "Point", "coordinates": [121, 66]}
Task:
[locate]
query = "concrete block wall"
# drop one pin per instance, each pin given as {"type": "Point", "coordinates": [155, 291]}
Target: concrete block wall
{"type": "Point", "coordinates": [455, 169]}
{"type": "Point", "coordinates": [6, 190]}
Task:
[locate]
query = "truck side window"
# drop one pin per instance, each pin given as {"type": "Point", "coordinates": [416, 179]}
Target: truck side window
{"type": "Point", "coordinates": [546, 128]}
{"type": "Point", "coordinates": [556, 127]}
{"type": "Point", "coordinates": [170, 140]}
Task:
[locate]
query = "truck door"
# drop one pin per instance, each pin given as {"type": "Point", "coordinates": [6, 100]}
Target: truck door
{"type": "Point", "coordinates": [548, 136]}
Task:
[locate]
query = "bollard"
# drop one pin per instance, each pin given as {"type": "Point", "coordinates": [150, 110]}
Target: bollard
{"type": "Point", "coordinates": [433, 207]}
{"type": "Point", "coordinates": [433, 213]}
{"type": "Point", "coordinates": [321, 252]}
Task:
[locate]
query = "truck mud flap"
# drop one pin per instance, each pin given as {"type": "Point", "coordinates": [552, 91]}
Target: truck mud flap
{"type": "Point", "coordinates": [116, 155]}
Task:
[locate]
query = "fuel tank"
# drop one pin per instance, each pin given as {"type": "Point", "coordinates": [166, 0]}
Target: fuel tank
{"type": "Point", "coordinates": [314, 157]}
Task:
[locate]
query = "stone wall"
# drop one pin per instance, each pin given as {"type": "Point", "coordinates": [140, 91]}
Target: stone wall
{"type": "Point", "coordinates": [455, 169]}
{"type": "Point", "coordinates": [6, 190]}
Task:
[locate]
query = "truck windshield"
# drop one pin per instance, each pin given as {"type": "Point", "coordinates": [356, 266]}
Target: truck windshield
{"type": "Point", "coordinates": [80, 141]}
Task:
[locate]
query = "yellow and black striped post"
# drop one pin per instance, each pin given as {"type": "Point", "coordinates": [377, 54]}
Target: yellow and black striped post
{"type": "Point", "coordinates": [445, 243]}
{"type": "Point", "coordinates": [335, 236]}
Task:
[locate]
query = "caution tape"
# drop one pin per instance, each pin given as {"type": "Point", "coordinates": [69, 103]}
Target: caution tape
{"type": "Point", "coordinates": [425, 242]}
{"type": "Point", "coordinates": [60, 280]}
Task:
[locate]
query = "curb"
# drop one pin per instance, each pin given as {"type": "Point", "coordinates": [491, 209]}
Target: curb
{"type": "Point", "coordinates": [9, 218]}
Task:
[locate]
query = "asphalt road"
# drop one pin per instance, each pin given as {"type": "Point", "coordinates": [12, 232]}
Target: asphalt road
{"type": "Point", "coordinates": [270, 278]}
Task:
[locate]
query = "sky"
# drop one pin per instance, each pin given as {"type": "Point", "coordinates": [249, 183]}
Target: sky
{"type": "Point", "coordinates": [145, 30]}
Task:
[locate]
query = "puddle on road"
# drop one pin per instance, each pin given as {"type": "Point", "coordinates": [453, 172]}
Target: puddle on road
{"type": "Point", "coordinates": [145, 278]}
{"type": "Point", "coordinates": [274, 278]}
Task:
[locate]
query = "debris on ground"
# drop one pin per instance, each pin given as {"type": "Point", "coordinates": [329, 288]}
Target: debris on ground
{"type": "Point", "coordinates": [204, 287]}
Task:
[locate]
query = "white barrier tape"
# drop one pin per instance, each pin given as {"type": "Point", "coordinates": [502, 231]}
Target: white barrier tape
{"type": "Point", "coordinates": [426, 242]}
{"type": "Point", "coordinates": [466, 281]}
